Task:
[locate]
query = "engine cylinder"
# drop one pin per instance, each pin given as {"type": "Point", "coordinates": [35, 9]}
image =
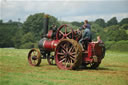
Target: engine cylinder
{"type": "Point", "coordinates": [47, 45]}
{"type": "Point", "coordinates": [50, 45]}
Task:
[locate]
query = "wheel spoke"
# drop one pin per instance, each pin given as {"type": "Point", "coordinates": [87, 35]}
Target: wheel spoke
{"type": "Point", "coordinates": [63, 49]}
{"type": "Point", "coordinates": [71, 49]}
{"type": "Point", "coordinates": [67, 37]}
{"type": "Point", "coordinates": [74, 53]}
{"type": "Point", "coordinates": [72, 58]}
{"type": "Point", "coordinates": [67, 47]}
{"type": "Point", "coordinates": [62, 56]}
{"type": "Point", "coordinates": [69, 61]}
{"type": "Point", "coordinates": [62, 37]}
{"type": "Point", "coordinates": [64, 46]}
{"type": "Point", "coordinates": [61, 32]}
{"type": "Point", "coordinates": [34, 62]}
{"type": "Point", "coordinates": [34, 52]}
{"type": "Point", "coordinates": [66, 64]}
{"type": "Point", "coordinates": [60, 53]}
{"type": "Point", "coordinates": [69, 33]}
{"type": "Point", "coordinates": [65, 29]}
{"type": "Point", "coordinates": [64, 59]}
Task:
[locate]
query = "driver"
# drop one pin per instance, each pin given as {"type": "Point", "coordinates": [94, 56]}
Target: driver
{"type": "Point", "coordinates": [86, 34]}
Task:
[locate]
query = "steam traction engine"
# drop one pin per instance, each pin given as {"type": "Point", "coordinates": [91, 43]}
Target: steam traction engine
{"type": "Point", "coordinates": [68, 53]}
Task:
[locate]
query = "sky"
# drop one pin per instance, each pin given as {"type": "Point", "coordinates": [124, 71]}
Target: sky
{"type": "Point", "coordinates": [64, 10]}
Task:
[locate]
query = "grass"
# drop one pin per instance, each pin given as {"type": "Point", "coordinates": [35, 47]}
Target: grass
{"type": "Point", "coordinates": [15, 70]}
{"type": "Point", "coordinates": [127, 31]}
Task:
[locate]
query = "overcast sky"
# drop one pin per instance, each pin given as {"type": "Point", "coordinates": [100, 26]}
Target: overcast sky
{"type": "Point", "coordinates": [67, 10]}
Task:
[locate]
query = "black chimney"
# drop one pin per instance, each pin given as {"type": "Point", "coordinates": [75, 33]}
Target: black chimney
{"type": "Point", "coordinates": [45, 25]}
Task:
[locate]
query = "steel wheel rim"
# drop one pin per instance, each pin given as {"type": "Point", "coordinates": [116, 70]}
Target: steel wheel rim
{"type": "Point", "coordinates": [51, 60]}
{"type": "Point", "coordinates": [34, 57]}
{"type": "Point", "coordinates": [67, 34]}
{"type": "Point", "coordinates": [65, 55]}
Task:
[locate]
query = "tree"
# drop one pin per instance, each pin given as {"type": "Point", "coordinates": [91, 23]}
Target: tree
{"type": "Point", "coordinates": [1, 21]}
{"type": "Point", "coordinates": [7, 32]}
{"type": "Point", "coordinates": [97, 30]}
{"type": "Point", "coordinates": [53, 20]}
{"type": "Point", "coordinates": [112, 21]}
{"type": "Point", "coordinates": [29, 37]}
{"type": "Point", "coordinates": [114, 33]}
{"type": "Point", "coordinates": [10, 21]}
{"type": "Point", "coordinates": [100, 22]}
{"type": "Point", "coordinates": [17, 39]}
{"type": "Point", "coordinates": [124, 26]}
{"type": "Point", "coordinates": [27, 41]}
{"type": "Point", "coordinates": [34, 24]}
{"type": "Point", "coordinates": [75, 23]}
{"type": "Point", "coordinates": [124, 21]}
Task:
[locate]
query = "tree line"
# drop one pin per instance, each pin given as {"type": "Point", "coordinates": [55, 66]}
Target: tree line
{"type": "Point", "coordinates": [27, 34]}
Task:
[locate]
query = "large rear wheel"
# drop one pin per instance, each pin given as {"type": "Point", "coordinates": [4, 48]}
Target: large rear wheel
{"type": "Point", "coordinates": [68, 54]}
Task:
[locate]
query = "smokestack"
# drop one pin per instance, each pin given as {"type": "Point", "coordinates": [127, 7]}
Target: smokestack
{"type": "Point", "coordinates": [45, 25]}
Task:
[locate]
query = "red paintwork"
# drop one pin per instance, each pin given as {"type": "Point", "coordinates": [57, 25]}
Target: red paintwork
{"type": "Point", "coordinates": [49, 35]}
{"type": "Point", "coordinates": [93, 49]}
{"type": "Point", "coordinates": [50, 45]}
{"type": "Point", "coordinates": [87, 57]}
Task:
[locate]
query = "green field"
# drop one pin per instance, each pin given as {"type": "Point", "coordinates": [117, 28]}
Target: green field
{"type": "Point", "coordinates": [15, 70]}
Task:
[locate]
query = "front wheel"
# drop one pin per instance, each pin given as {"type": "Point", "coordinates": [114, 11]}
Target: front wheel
{"type": "Point", "coordinates": [50, 59]}
{"type": "Point", "coordinates": [34, 57]}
